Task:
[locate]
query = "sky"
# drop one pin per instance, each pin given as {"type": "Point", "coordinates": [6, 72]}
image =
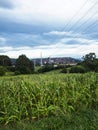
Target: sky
{"type": "Point", "coordinates": [51, 28]}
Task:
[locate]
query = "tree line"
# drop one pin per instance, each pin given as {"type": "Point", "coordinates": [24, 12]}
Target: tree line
{"type": "Point", "coordinates": [24, 65]}
{"type": "Point", "coordinates": [89, 63]}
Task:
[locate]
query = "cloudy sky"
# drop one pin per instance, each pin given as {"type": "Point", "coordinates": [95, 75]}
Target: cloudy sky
{"type": "Point", "coordinates": [66, 28]}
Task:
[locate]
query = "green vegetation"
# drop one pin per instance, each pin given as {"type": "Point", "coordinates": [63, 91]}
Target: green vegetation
{"type": "Point", "coordinates": [49, 102]}
{"type": "Point", "coordinates": [24, 65]}
{"type": "Point", "coordinates": [2, 71]}
{"type": "Point", "coordinates": [90, 62]}
{"type": "Point", "coordinates": [50, 67]}
{"type": "Point", "coordinates": [77, 69]}
{"type": "Point", "coordinates": [5, 61]}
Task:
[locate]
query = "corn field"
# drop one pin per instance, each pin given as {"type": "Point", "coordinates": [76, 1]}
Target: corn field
{"type": "Point", "coordinates": [34, 97]}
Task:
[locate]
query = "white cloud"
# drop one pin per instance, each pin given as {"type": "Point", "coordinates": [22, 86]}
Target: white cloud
{"type": "Point", "coordinates": [67, 43]}
{"type": "Point", "coordinates": [59, 49]}
{"type": "Point", "coordinates": [78, 40]}
{"type": "Point", "coordinates": [2, 41]}
{"type": "Point", "coordinates": [48, 10]}
{"type": "Point", "coordinates": [63, 33]}
{"type": "Point", "coordinates": [7, 4]}
{"type": "Point", "coordinates": [65, 46]}
{"type": "Point", "coordinates": [58, 33]}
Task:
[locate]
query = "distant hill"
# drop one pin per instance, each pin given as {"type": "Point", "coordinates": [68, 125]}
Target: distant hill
{"type": "Point", "coordinates": [13, 61]}
{"type": "Point", "coordinates": [55, 60]}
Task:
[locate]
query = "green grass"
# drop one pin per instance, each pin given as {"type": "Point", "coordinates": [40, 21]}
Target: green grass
{"type": "Point", "coordinates": [49, 101]}
{"type": "Point", "coordinates": [72, 122]}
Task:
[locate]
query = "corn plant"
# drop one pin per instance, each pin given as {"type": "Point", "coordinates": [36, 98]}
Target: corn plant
{"type": "Point", "coordinates": [33, 97]}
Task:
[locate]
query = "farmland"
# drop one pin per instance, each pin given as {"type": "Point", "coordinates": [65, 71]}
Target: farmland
{"type": "Point", "coordinates": [49, 102]}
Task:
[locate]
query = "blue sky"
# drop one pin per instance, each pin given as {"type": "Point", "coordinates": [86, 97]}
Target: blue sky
{"type": "Point", "coordinates": [66, 28]}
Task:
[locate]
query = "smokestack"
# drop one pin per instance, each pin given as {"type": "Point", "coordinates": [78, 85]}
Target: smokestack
{"type": "Point", "coordinates": [41, 62]}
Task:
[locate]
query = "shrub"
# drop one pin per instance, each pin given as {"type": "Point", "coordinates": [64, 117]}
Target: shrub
{"type": "Point", "coordinates": [59, 67]}
{"type": "Point", "coordinates": [46, 68]}
{"type": "Point", "coordinates": [2, 71]}
{"type": "Point", "coordinates": [96, 69]}
{"type": "Point", "coordinates": [77, 69]}
{"type": "Point", "coordinates": [11, 68]}
{"type": "Point", "coordinates": [64, 70]}
{"type": "Point", "coordinates": [24, 65]}
{"type": "Point", "coordinates": [24, 70]}
{"type": "Point", "coordinates": [16, 73]}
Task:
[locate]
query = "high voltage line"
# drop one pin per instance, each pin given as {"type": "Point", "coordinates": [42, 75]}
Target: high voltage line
{"type": "Point", "coordinates": [75, 15]}
{"type": "Point", "coordinates": [95, 23]}
{"type": "Point", "coordinates": [74, 37]}
{"type": "Point", "coordinates": [93, 15]}
{"type": "Point", "coordinates": [87, 12]}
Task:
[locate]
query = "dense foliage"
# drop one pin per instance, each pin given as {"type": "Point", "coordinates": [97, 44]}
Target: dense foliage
{"type": "Point", "coordinates": [2, 71]}
{"type": "Point", "coordinates": [77, 69]}
{"type": "Point", "coordinates": [51, 67]}
{"type": "Point", "coordinates": [24, 65]}
{"type": "Point", "coordinates": [5, 60]}
{"type": "Point", "coordinates": [46, 68]}
{"type": "Point", "coordinates": [37, 97]}
{"type": "Point", "coordinates": [90, 62]}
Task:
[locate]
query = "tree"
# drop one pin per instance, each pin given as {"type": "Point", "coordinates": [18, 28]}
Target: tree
{"type": "Point", "coordinates": [2, 71]}
{"type": "Point", "coordinates": [89, 61]}
{"type": "Point", "coordinates": [5, 60]}
{"type": "Point", "coordinates": [77, 69]}
{"type": "Point", "coordinates": [24, 65]}
{"type": "Point", "coordinates": [89, 57]}
{"type": "Point", "coordinates": [46, 68]}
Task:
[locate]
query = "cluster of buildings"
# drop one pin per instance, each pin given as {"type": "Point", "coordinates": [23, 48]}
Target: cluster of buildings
{"type": "Point", "coordinates": [57, 60]}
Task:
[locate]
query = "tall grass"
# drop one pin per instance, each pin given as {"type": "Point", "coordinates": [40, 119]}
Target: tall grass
{"type": "Point", "coordinates": [37, 97]}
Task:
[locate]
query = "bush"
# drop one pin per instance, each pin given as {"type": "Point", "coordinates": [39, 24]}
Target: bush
{"type": "Point", "coordinates": [64, 70]}
{"type": "Point", "coordinates": [51, 67]}
{"type": "Point", "coordinates": [77, 69]}
{"type": "Point", "coordinates": [24, 65]}
{"type": "Point", "coordinates": [16, 73]}
{"type": "Point", "coordinates": [2, 71]}
{"type": "Point", "coordinates": [11, 68]}
{"type": "Point", "coordinates": [59, 67]}
{"type": "Point", "coordinates": [46, 68]}
{"type": "Point", "coordinates": [23, 70]}
{"type": "Point", "coordinates": [96, 69]}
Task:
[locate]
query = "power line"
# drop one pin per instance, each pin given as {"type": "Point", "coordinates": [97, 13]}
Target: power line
{"type": "Point", "coordinates": [76, 23]}
{"type": "Point", "coordinates": [80, 19]}
{"type": "Point", "coordinates": [75, 14]}
{"type": "Point", "coordinates": [93, 15]}
{"type": "Point", "coordinates": [76, 36]}
{"type": "Point", "coordinates": [95, 23]}
{"type": "Point", "coordinates": [78, 13]}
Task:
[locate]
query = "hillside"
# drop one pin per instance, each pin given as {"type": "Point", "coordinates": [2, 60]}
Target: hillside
{"type": "Point", "coordinates": [57, 60]}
